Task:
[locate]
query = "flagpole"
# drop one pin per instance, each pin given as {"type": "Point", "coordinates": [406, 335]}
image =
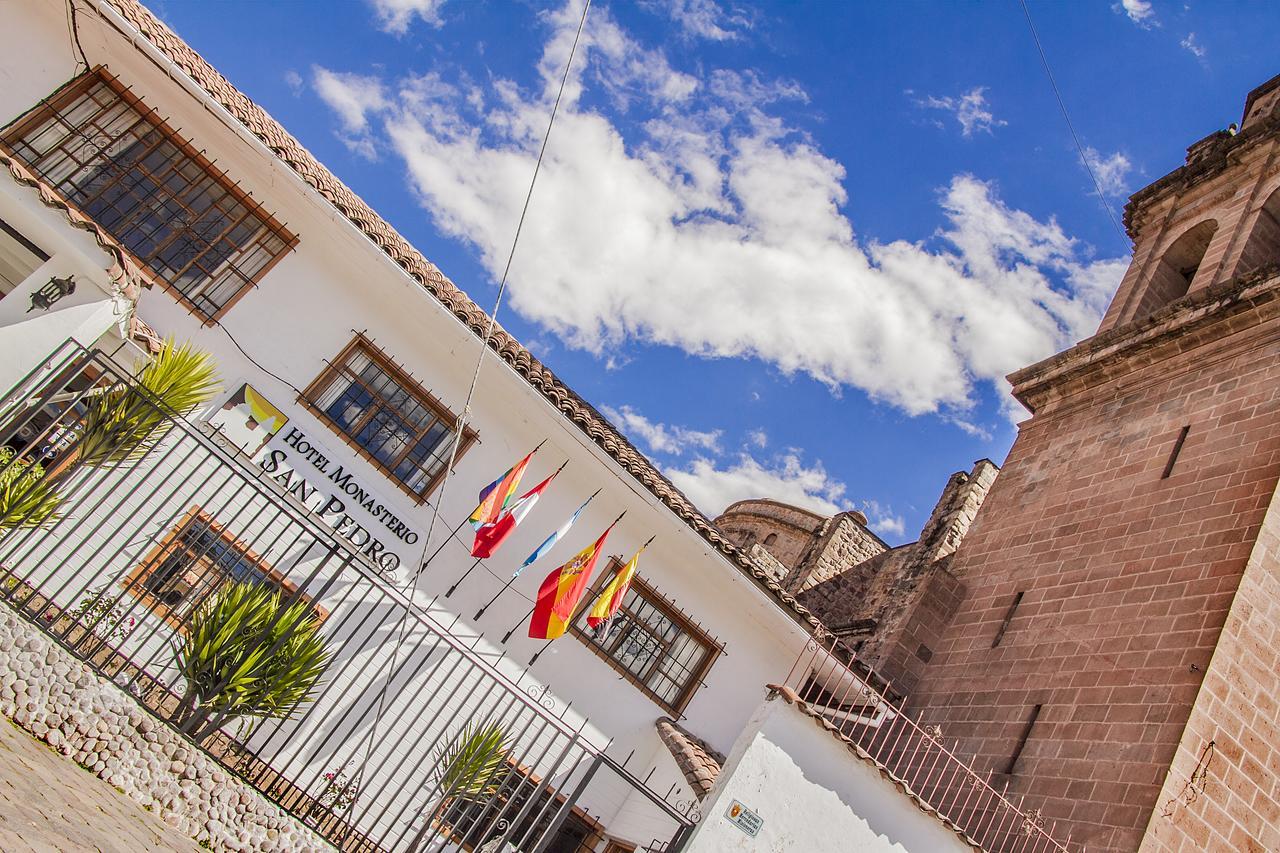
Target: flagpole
{"type": "Point", "coordinates": [599, 593]}
{"type": "Point", "coordinates": [453, 588]}
{"type": "Point", "coordinates": [506, 586]}
{"type": "Point", "coordinates": [451, 535]}
{"type": "Point", "coordinates": [507, 636]}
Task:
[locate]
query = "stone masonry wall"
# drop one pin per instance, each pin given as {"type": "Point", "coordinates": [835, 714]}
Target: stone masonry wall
{"type": "Point", "coordinates": [1227, 796]}
{"type": "Point", "coordinates": [1126, 576]}
{"type": "Point", "coordinates": [845, 542]}
{"type": "Point", "coordinates": [60, 700]}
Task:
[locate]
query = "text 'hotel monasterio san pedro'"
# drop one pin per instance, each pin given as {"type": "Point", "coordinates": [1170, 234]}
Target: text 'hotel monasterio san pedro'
{"type": "Point", "coordinates": [1095, 624]}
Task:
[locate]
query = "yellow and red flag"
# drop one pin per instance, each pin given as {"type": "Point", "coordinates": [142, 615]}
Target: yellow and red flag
{"type": "Point", "coordinates": [497, 496]}
{"type": "Point", "coordinates": [610, 598]}
{"type": "Point", "coordinates": [561, 591]}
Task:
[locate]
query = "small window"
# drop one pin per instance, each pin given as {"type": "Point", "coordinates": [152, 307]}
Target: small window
{"type": "Point", "coordinates": [113, 159]}
{"type": "Point", "coordinates": [770, 539]}
{"type": "Point", "coordinates": [653, 645]}
{"type": "Point", "coordinates": [473, 823]}
{"type": "Point", "coordinates": [192, 562]}
{"type": "Point", "coordinates": [393, 421]}
{"type": "Point", "coordinates": [19, 258]}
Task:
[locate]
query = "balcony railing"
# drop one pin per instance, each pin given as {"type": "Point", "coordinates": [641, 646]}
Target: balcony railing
{"type": "Point", "coordinates": [860, 709]}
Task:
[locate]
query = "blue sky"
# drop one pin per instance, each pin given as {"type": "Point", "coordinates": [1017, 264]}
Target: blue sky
{"type": "Point", "coordinates": [790, 249]}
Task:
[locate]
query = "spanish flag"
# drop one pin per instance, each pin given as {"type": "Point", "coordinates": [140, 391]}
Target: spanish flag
{"type": "Point", "coordinates": [559, 594]}
{"type": "Point", "coordinates": [610, 598]}
{"type": "Point", "coordinates": [496, 496]}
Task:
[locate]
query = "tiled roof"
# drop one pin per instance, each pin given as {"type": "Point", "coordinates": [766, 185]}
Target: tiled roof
{"type": "Point", "coordinates": [124, 270]}
{"type": "Point", "coordinates": [385, 237]}
{"type": "Point", "coordinates": [699, 763]}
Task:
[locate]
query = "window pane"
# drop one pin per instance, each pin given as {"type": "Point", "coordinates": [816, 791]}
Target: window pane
{"type": "Point", "coordinates": [658, 651]}
{"type": "Point", "coordinates": [394, 421]}
{"type": "Point", "coordinates": [166, 206]}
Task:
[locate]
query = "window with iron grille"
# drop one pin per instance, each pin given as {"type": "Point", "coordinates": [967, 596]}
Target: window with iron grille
{"type": "Point", "coordinates": [388, 417]}
{"type": "Point", "coordinates": [191, 563]}
{"type": "Point", "coordinates": [114, 159]}
{"type": "Point", "coordinates": [651, 644]}
{"type": "Point", "coordinates": [524, 800]}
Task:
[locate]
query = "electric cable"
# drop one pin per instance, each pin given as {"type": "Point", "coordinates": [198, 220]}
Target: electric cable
{"type": "Point", "coordinates": [1053, 84]}
{"type": "Point", "coordinates": [475, 378]}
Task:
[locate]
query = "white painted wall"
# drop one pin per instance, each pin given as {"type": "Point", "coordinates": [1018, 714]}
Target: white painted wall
{"type": "Point", "coordinates": [813, 795]}
{"type": "Point", "coordinates": [306, 310]}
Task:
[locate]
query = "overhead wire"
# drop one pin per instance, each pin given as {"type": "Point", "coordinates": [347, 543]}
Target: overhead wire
{"type": "Point", "coordinates": [1053, 84]}
{"type": "Point", "coordinates": [475, 378]}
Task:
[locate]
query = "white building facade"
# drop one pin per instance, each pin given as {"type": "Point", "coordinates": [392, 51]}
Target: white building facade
{"type": "Point", "coordinates": [145, 198]}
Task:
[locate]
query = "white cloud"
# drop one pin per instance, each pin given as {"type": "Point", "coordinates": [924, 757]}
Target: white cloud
{"type": "Point", "coordinates": [715, 202]}
{"type": "Point", "coordinates": [785, 478]}
{"type": "Point", "coordinates": [758, 437]}
{"type": "Point", "coordinates": [293, 80]}
{"type": "Point", "coordinates": [1190, 43]}
{"type": "Point", "coordinates": [883, 519]}
{"type": "Point", "coordinates": [395, 16]}
{"type": "Point", "coordinates": [970, 110]}
{"type": "Point", "coordinates": [661, 438]}
{"type": "Point", "coordinates": [704, 18]}
{"type": "Point", "coordinates": [1112, 171]}
{"type": "Point", "coordinates": [1138, 11]}
{"type": "Point", "coordinates": [353, 97]}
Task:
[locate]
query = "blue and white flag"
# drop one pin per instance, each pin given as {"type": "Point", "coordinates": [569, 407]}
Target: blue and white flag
{"type": "Point", "coordinates": [541, 550]}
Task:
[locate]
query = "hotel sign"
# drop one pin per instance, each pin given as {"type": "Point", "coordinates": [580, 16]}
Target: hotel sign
{"type": "Point", "coordinates": [329, 489]}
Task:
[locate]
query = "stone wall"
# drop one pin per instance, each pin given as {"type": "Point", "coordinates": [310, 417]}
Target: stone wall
{"type": "Point", "coordinates": [1223, 788]}
{"type": "Point", "coordinates": [85, 717]}
{"type": "Point", "coordinates": [844, 541]}
{"type": "Point", "coordinates": [1122, 576]}
{"type": "Point", "coordinates": [788, 532]}
{"type": "Point", "coordinates": [894, 607]}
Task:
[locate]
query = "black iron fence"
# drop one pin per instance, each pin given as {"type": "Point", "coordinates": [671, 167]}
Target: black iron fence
{"type": "Point", "coordinates": [347, 703]}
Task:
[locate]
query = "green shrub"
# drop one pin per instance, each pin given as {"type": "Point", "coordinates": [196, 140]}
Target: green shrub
{"type": "Point", "coordinates": [27, 499]}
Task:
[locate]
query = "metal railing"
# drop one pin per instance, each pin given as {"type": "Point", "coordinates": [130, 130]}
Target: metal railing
{"type": "Point", "coordinates": [138, 548]}
{"type": "Point", "coordinates": [861, 709]}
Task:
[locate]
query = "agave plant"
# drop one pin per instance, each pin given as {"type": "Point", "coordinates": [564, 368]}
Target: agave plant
{"type": "Point", "coordinates": [469, 765]}
{"type": "Point", "coordinates": [123, 423]}
{"type": "Point", "coordinates": [246, 653]}
{"type": "Point", "coordinates": [27, 497]}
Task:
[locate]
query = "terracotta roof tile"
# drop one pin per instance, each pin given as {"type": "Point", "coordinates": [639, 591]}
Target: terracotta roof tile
{"type": "Point", "coordinates": [697, 760]}
{"type": "Point", "coordinates": [574, 408]}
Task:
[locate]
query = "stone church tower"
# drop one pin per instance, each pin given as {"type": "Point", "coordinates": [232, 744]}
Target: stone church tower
{"type": "Point", "coordinates": [1115, 652]}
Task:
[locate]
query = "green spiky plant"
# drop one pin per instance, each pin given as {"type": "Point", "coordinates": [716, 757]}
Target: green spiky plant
{"type": "Point", "coordinates": [469, 765]}
{"type": "Point", "coordinates": [468, 768]}
{"type": "Point", "coordinates": [246, 653]}
{"type": "Point", "coordinates": [123, 423]}
{"type": "Point", "coordinates": [27, 497]}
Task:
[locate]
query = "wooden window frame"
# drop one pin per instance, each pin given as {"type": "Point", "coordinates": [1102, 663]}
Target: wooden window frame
{"type": "Point", "coordinates": [134, 582]}
{"type": "Point", "coordinates": [79, 86]}
{"type": "Point", "coordinates": [712, 648]}
{"type": "Point", "coordinates": [558, 800]}
{"type": "Point", "coordinates": [334, 371]}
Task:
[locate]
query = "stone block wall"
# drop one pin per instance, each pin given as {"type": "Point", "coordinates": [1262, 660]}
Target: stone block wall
{"type": "Point", "coordinates": [844, 541]}
{"type": "Point", "coordinates": [1222, 791]}
{"type": "Point", "coordinates": [60, 700]}
{"type": "Point", "coordinates": [1126, 575]}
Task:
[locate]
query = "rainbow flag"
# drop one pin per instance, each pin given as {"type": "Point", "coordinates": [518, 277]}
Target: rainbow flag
{"type": "Point", "coordinates": [561, 590]}
{"type": "Point", "coordinates": [497, 496]}
{"type": "Point", "coordinates": [610, 598]}
{"type": "Point", "coordinates": [490, 536]}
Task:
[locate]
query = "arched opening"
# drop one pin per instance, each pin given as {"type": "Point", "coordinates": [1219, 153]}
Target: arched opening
{"type": "Point", "coordinates": [1263, 245]}
{"type": "Point", "coordinates": [1177, 269]}
{"type": "Point", "coordinates": [771, 538]}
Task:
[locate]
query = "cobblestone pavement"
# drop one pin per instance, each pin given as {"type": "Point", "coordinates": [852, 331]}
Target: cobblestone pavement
{"type": "Point", "coordinates": [47, 804]}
